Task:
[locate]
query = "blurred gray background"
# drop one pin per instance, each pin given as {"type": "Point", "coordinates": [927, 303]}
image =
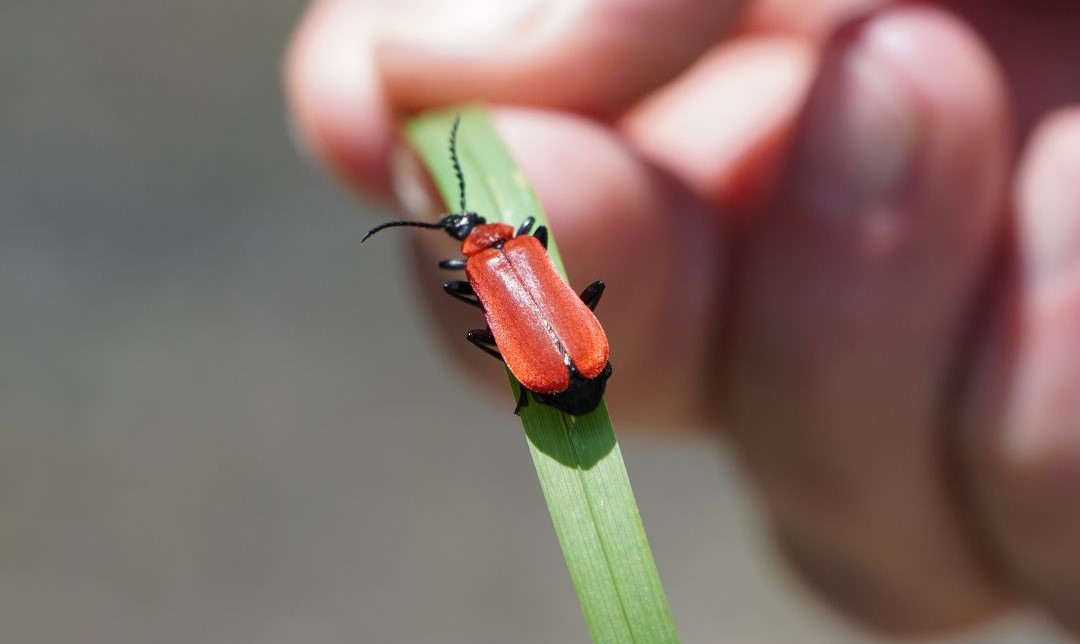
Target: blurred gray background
{"type": "Point", "coordinates": [205, 435]}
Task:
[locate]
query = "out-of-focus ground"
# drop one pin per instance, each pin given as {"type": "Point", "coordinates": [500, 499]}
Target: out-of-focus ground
{"type": "Point", "coordinates": [209, 427]}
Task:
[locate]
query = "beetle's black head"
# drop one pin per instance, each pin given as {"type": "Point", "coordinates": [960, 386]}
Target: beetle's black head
{"type": "Point", "coordinates": [460, 225]}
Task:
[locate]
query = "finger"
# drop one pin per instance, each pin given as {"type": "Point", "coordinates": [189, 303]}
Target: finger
{"type": "Point", "coordinates": [721, 126]}
{"type": "Point", "coordinates": [597, 56]}
{"type": "Point", "coordinates": [617, 219]}
{"type": "Point", "coordinates": [1024, 423]}
{"type": "Point", "coordinates": [338, 110]}
{"type": "Point", "coordinates": [853, 296]}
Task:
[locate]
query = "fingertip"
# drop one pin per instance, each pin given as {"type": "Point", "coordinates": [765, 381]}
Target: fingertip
{"type": "Point", "coordinates": [720, 126]}
{"type": "Point", "coordinates": [952, 76]}
{"type": "Point", "coordinates": [909, 106]}
{"type": "Point", "coordinates": [338, 113]}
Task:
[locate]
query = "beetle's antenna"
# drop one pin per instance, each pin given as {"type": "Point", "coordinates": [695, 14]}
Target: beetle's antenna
{"type": "Point", "coordinates": [444, 223]}
{"type": "Point", "coordinates": [390, 224]}
{"type": "Point", "coordinates": [454, 159]}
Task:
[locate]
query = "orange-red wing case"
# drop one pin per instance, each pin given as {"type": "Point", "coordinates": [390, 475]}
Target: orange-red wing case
{"type": "Point", "coordinates": [540, 325]}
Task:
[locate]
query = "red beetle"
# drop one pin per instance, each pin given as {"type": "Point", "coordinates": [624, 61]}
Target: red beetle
{"type": "Point", "coordinates": [545, 333]}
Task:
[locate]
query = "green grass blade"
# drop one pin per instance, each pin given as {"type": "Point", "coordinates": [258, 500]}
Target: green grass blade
{"type": "Point", "coordinates": [578, 461]}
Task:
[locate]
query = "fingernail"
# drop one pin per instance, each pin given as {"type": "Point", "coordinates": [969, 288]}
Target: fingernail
{"type": "Point", "coordinates": [470, 27]}
{"type": "Point", "coordinates": [858, 138]}
{"type": "Point", "coordinates": [1048, 198]}
{"type": "Point", "coordinates": [1043, 403]}
{"type": "Point", "coordinates": [412, 186]}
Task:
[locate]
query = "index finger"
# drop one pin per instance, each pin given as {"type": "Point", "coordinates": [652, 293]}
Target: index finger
{"type": "Point", "coordinates": [597, 56]}
{"type": "Point", "coordinates": [351, 64]}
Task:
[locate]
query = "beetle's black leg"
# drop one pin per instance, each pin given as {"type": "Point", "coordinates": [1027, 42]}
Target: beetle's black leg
{"type": "Point", "coordinates": [591, 295]}
{"type": "Point", "coordinates": [541, 236]}
{"type": "Point", "coordinates": [525, 227]}
{"type": "Point", "coordinates": [452, 264]}
{"type": "Point", "coordinates": [462, 291]}
{"type": "Point", "coordinates": [484, 340]}
{"type": "Point", "coordinates": [522, 401]}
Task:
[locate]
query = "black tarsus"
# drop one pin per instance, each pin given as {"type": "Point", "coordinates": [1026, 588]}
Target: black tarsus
{"type": "Point", "coordinates": [592, 293]}
{"type": "Point", "coordinates": [484, 340]}
{"type": "Point", "coordinates": [463, 291]}
{"type": "Point", "coordinates": [522, 401]}
{"type": "Point", "coordinates": [541, 236]}
{"type": "Point", "coordinates": [525, 227]}
{"type": "Point", "coordinates": [452, 264]}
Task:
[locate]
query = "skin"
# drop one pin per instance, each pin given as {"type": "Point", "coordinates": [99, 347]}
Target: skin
{"type": "Point", "coordinates": [854, 226]}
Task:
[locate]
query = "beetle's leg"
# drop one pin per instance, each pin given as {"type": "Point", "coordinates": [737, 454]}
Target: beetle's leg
{"type": "Point", "coordinates": [522, 401]}
{"type": "Point", "coordinates": [541, 236]}
{"type": "Point", "coordinates": [525, 227]}
{"type": "Point", "coordinates": [484, 340]}
{"type": "Point", "coordinates": [591, 295]}
{"type": "Point", "coordinates": [452, 264]}
{"type": "Point", "coordinates": [462, 291]}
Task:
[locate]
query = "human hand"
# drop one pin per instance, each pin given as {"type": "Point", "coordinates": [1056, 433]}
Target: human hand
{"type": "Point", "coordinates": [856, 285]}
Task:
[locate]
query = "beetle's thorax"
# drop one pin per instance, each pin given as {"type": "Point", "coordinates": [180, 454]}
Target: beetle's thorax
{"type": "Point", "coordinates": [485, 236]}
